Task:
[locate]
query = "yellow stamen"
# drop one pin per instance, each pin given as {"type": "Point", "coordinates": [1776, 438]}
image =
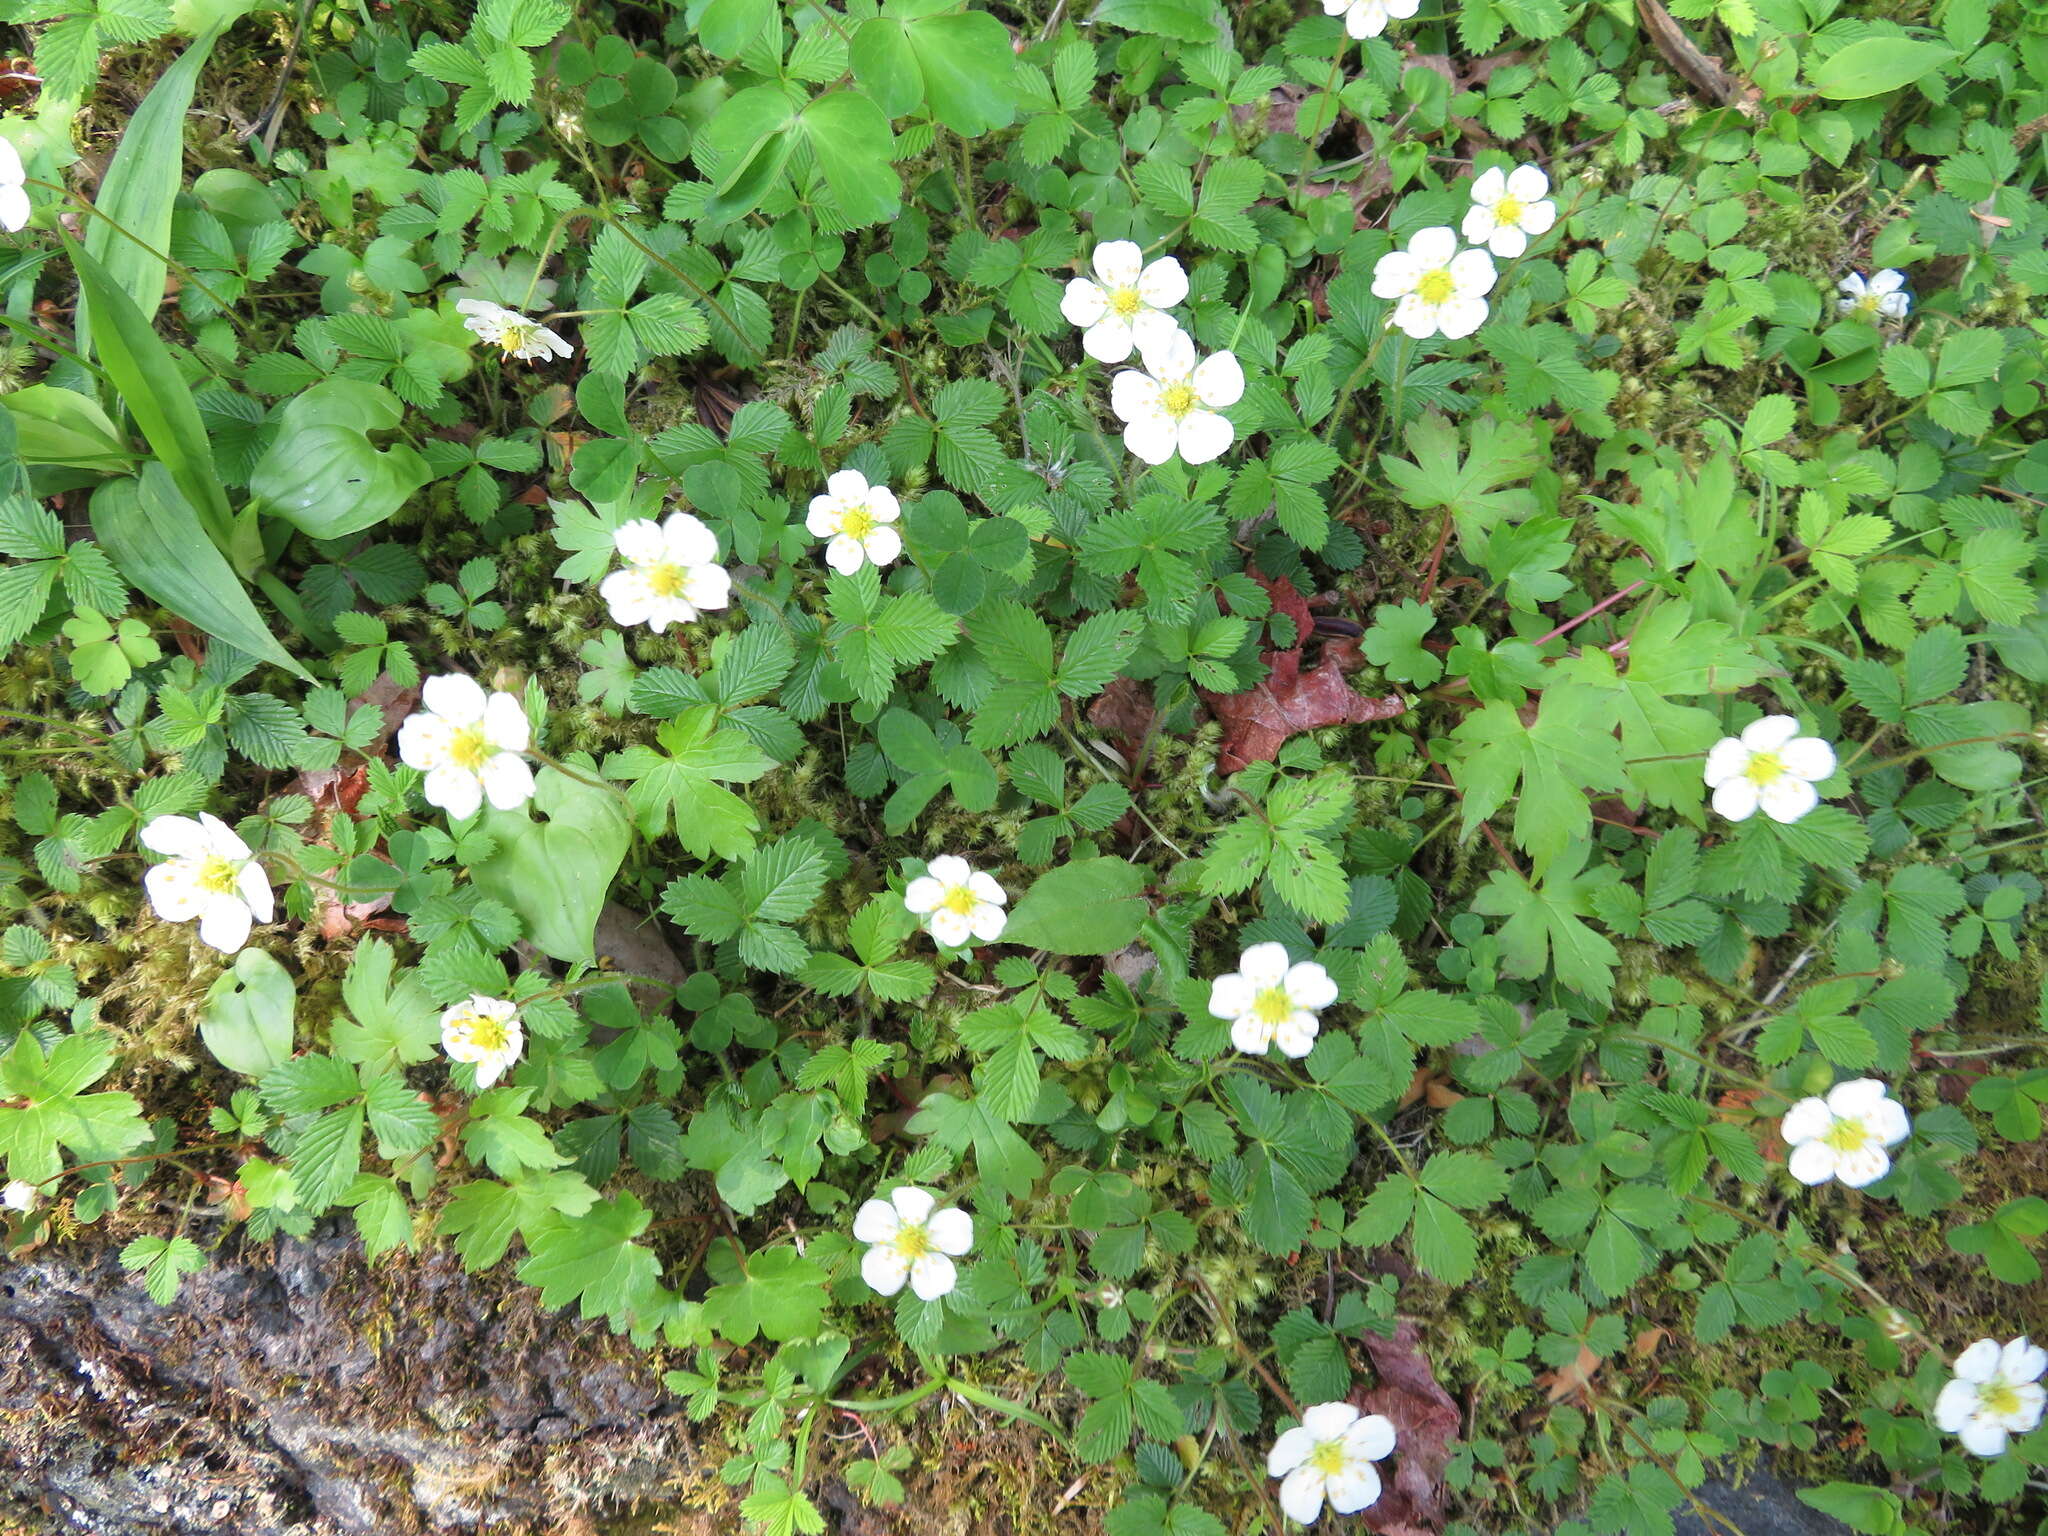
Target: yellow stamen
{"type": "Point", "coordinates": [1847, 1135]}
{"type": "Point", "coordinates": [960, 899]}
{"type": "Point", "coordinates": [666, 580]}
{"type": "Point", "coordinates": [857, 522]}
{"type": "Point", "coordinates": [514, 339]}
{"type": "Point", "coordinates": [912, 1242]}
{"type": "Point", "coordinates": [1764, 768]}
{"type": "Point", "coordinates": [1436, 287]}
{"type": "Point", "coordinates": [1998, 1396]}
{"type": "Point", "coordinates": [1178, 399]}
{"type": "Point", "coordinates": [1273, 1006]}
{"type": "Point", "coordinates": [218, 875]}
{"type": "Point", "coordinates": [1508, 210]}
{"type": "Point", "coordinates": [1125, 303]}
{"type": "Point", "coordinates": [483, 1031]}
{"type": "Point", "coordinates": [1328, 1457]}
{"type": "Point", "coordinates": [469, 748]}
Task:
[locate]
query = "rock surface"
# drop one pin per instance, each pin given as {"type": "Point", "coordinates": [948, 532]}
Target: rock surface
{"type": "Point", "coordinates": [295, 1391]}
{"type": "Point", "coordinates": [1765, 1505]}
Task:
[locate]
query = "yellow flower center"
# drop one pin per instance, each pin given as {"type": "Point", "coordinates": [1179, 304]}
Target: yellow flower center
{"type": "Point", "coordinates": [1998, 1396]}
{"type": "Point", "coordinates": [857, 522]}
{"type": "Point", "coordinates": [666, 580]}
{"type": "Point", "coordinates": [1436, 287]}
{"type": "Point", "coordinates": [1125, 303]}
{"type": "Point", "coordinates": [962, 900]}
{"type": "Point", "coordinates": [485, 1032]}
{"type": "Point", "coordinates": [1764, 768]}
{"type": "Point", "coordinates": [218, 875]}
{"type": "Point", "coordinates": [1328, 1457]}
{"type": "Point", "coordinates": [1178, 399]}
{"type": "Point", "coordinates": [514, 339]}
{"type": "Point", "coordinates": [1508, 210]}
{"type": "Point", "coordinates": [912, 1242]}
{"type": "Point", "coordinates": [1846, 1135]}
{"type": "Point", "coordinates": [469, 748]}
{"type": "Point", "coordinates": [1273, 1006]}
{"type": "Point", "coordinates": [1868, 303]}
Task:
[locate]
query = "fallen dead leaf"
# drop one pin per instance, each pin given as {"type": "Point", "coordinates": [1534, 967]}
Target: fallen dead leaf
{"type": "Point", "coordinates": [1290, 700]}
{"type": "Point", "coordinates": [1571, 1380]}
{"type": "Point", "coordinates": [1425, 1419]}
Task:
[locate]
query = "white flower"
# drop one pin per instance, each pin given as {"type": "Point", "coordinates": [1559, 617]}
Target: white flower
{"type": "Point", "coordinates": [1770, 765]}
{"type": "Point", "coordinates": [1269, 1001]}
{"type": "Point", "coordinates": [1171, 406]}
{"type": "Point", "coordinates": [484, 1032]}
{"type": "Point", "coordinates": [672, 573]}
{"type": "Point", "coordinates": [19, 1195]}
{"type": "Point", "coordinates": [468, 743]}
{"type": "Point", "coordinates": [1369, 18]}
{"type": "Point", "coordinates": [1882, 295]}
{"type": "Point", "coordinates": [1441, 288]}
{"type": "Point", "coordinates": [1996, 1392]}
{"type": "Point", "coordinates": [1122, 310]}
{"type": "Point", "coordinates": [209, 874]}
{"type": "Point", "coordinates": [511, 332]}
{"type": "Point", "coordinates": [912, 1241]}
{"type": "Point", "coordinates": [1330, 1455]}
{"type": "Point", "coordinates": [1844, 1135]}
{"type": "Point", "coordinates": [14, 204]}
{"type": "Point", "coordinates": [957, 902]}
{"type": "Point", "coordinates": [1507, 208]}
{"type": "Point", "coordinates": [854, 518]}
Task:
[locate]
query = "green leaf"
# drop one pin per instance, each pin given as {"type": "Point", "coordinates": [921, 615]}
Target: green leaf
{"type": "Point", "coordinates": [1876, 66]}
{"type": "Point", "coordinates": [1091, 907]}
{"type": "Point", "coordinates": [591, 1259]}
{"type": "Point", "coordinates": [779, 1295]}
{"type": "Point", "coordinates": [556, 874]}
{"type": "Point", "coordinates": [851, 139]}
{"type": "Point", "coordinates": [246, 1021]}
{"type": "Point", "coordinates": [164, 1262]}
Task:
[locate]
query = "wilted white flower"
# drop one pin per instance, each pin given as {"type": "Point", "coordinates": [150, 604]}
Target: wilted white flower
{"type": "Point", "coordinates": [210, 875]}
{"type": "Point", "coordinates": [1996, 1393]}
{"type": "Point", "coordinates": [1122, 309]}
{"type": "Point", "coordinates": [1329, 1455]}
{"type": "Point", "coordinates": [1442, 290]}
{"type": "Point", "coordinates": [468, 743]}
{"type": "Point", "coordinates": [512, 333]}
{"type": "Point", "coordinates": [1769, 765]}
{"type": "Point", "coordinates": [1172, 405]}
{"type": "Point", "coordinates": [1270, 1002]}
{"type": "Point", "coordinates": [484, 1032]}
{"type": "Point", "coordinates": [1881, 295]}
{"type": "Point", "coordinates": [1369, 18]}
{"type": "Point", "coordinates": [912, 1241]}
{"type": "Point", "coordinates": [14, 203]}
{"type": "Point", "coordinates": [1507, 208]}
{"type": "Point", "coordinates": [1844, 1135]}
{"type": "Point", "coordinates": [957, 902]}
{"type": "Point", "coordinates": [855, 519]}
{"type": "Point", "coordinates": [671, 575]}
{"type": "Point", "coordinates": [19, 1195]}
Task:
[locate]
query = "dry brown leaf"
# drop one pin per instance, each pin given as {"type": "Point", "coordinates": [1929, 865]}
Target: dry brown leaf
{"type": "Point", "coordinates": [1573, 1379]}
{"type": "Point", "coordinates": [1426, 1420]}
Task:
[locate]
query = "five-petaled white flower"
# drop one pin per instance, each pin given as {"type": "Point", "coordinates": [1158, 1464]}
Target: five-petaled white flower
{"type": "Point", "coordinates": [671, 576]}
{"type": "Point", "coordinates": [19, 1195]}
{"type": "Point", "coordinates": [1844, 1135]}
{"type": "Point", "coordinates": [468, 743]}
{"type": "Point", "coordinates": [1122, 309]}
{"type": "Point", "coordinates": [1330, 1455]}
{"type": "Point", "coordinates": [1270, 1002]}
{"type": "Point", "coordinates": [957, 902]}
{"type": "Point", "coordinates": [1369, 18]}
{"type": "Point", "coordinates": [512, 333]}
{"type": "Point", "coordinates": [1507, 208]}
{"type": "Point", "coordinates": [1770, 765]}
{"type": "Point", "coordinates": [1171, 406]}
{"type": "Point", "coordinates": [855, 519]}
{"type": "Point", "coordinates": [484, 1032]}
{"type": "Point", "coordinates": [1997, 1392]}
{"type": "Point", "coordinates": [1441, 289]}
{"type": "Point", "coordinates": [14, 204]}
{"type": "Point", "coordinates": [1882, 295]}
{"type": "Point", "coordinates": [912, 1240]}
{"type": "Point", "coordinates": [210, 874]}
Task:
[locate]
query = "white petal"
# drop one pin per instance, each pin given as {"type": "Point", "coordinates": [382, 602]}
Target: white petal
{"type": "Point", "coordinates": [1252, 1035]}
{"type": "Point", "coordinates": [1953, 1407]}
{"type": "Point", "coordinates": [1219, 381]}
{"type": "Point", "coordinates": [254, 888]}
{"type": "Point", "coordinates": [1808, 1120]}
{"type": "Point", "coordinates": [985, 888]}
{"type": "Point", "coordinates": [1433, 247]}
{"type": "Point", "coordinates": [225, 924]}
{"type": "Point", "coordinates": [914, 1205]}
{"type": "Point", "coordinates": [1460, 316]}
{"type": "Point", "coordinates": [1231, 995]}
{"type": "Point", "coordinates": [1857, 1097]}
{"type": "Point", "coordinates": [1395, 274]}
{"type": "Point", "coordinates": [1853, 286]}
{"type": "Point", "coordinates": [1134, 396]}
{"type": "Point", "coordinates": [1296, 1034]}
{"type": "Point", "coordinates": [883, 545]}
{"type": "Point", "coordinates": [825, 517]}
{"type": "Point", "coordinates": [1889, 1123]}
{"type": "Point", "coordinates": [1890, 280]}
{"type": "Point", "coordinates": [949, 869]}
{"type": "Point", "coordinates": [1172, 357]}
{"type": "Point", "coordinates": [1809, 757]}
{"type": "Point", "coordinates": [845, 555]}
{"type": "Point", "coordinates": [1490, 187]}
{"type": "Point", "coordinates": [1537, 218]}
{"type": "Point", "coordinates": [1327, 1421]}
{"type": "Point", "coordinates": [179, 836]}
{"type": "Point", "coordinates": [883, 506]}
{"type": "Point", "coordinates": [221, 839]}
{"type": "Point", "coordinates": [2026, 1418]}
{"type": "Point", "coordinates": [1163, 284]}
{"type": "Point", "coordinates": [1152, 439]}
{"type": "Point", "coordinates": [507, 781]}
{"type": "Point", "coordinates": [1787, 799]}
{"type": "Point", "coordinates": [1526, 184]}
{"type": "Point", "coordinates": [1109, 340]}
{"type": "Point", "coordinates": [951, 1230]}
{"type": "Point", "coordinates": [688, 542]}
{"type": "Point", "coordinates": [1865, 1165]}
{"type": "Point", "coordinates": [952, 929]}
{"type": "Point", "coordinates": [1371, 1437]}
{"type": "Point", "coordinates": [455, 698]}
{"type": "Point", "coordinates": [1727, 760]}
{"type": "Point", "coordinates": [1289, 1451]}
{"type": "Point", "coordinates": [423, 742]}
{"type": "Point", "coordinates": [455, 790]}
{"type": "Point", "coordinates": [1084, 302]}
{"type": "Point", "coordinates": [933, 1275]}
{"type": "Point", "coordinates": [2023, 1360]}
{"type": "Point", "coordinates": [1979, 1362]}
{"type": "Point", "coordinates": [1416, 319]}
{"type": "Point", "coordinates": [847, 486]}
{"type": "Point", "coordinates": [1203, 436]}
{"type": "Point", "coordinates": [885, 1269]}
{"type": "Point", "coordinates": [987, 921]}
{"type": "Point", "coordinates": [1507, 242]}
{"type": "Point", "coordinates": [707, 586]}
{"type": "Point", "coordinates": [174, 891]}
{"type": "Point", "coordinates": [1984, 1437]}
{"type": "Point", "coordinates": [1264, 965]}
{"type": "Point", "coordinates": [1478, 225]}
{"type": "Point", "coordinates": [640, 541]}
{"type": "Point", "coordinates": [1355, 1488]}
{"type": "Point", "coordinates": [1811, 1162]}
{"type": "Point", "coordinates": [1769, 733]}
{"type": "Point", "coordinates": [923, 894]}
{"type": "Point", "coordinates": [1310, 986]}
{"type": "Point", "coordinates": [505, 724]}
{"type": "Point", "coordinates": [1736, 799]}
{"type": "Point", "coordinates": [1301, 1494]}
{"type": "Point", "coordinates": [1473, 272]}
{"type": "Point", "coordinates": [876, 1222]}
{"type": "Point", "coordinates": [1119, 263]}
